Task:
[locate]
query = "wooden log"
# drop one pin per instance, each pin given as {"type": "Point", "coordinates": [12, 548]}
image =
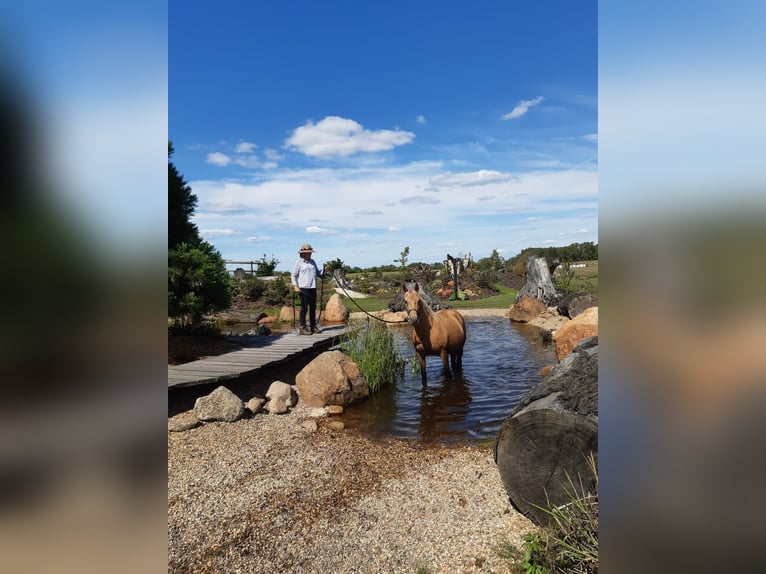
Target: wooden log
{"type": "Point", "coordinates": [551, 435]}
{"type": "Point", "coordinates": [539, 282]}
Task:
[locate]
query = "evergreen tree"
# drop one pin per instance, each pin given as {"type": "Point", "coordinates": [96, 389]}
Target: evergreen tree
{"type": "Point", "coordinates": [198, 283]}
{"type": "Point", "coordinates": [181, 204]}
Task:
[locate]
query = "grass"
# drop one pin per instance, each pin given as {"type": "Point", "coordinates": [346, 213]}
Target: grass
{"type": "Point", "coordinates": [502, 300]}
{"type": "Point", "coordinates": [373, 348]}
{"type": "Point", "coordinates": [369, 304]}
{"type": "Point", "coordinates": [569, 543]}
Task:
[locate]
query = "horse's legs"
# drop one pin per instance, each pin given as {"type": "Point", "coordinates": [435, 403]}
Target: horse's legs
{"type": "Point", "coordinates": [456, 359]}
{"type": "Point", "coordinates": [445, 361]}
{"type": "Point", "coordinates": [422, 363]}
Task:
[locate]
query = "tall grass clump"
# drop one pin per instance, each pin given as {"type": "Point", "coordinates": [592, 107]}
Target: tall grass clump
{"type": "Point", "coordinates": [569, 542]}
{"type": "Point", "coordinates": [373, 348]}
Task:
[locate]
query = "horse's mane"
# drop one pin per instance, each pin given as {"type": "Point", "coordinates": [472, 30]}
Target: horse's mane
{"type": "Point", "coordinates": [430, 312]}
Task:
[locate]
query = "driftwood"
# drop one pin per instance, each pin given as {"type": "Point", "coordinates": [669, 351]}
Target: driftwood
{"type": "Point", "coordinates": [539, 282]}
{"type": "Point", "coordinates": [550, 436]}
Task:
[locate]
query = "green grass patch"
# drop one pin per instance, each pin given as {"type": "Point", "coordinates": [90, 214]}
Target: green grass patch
{"type": "Point", "coordinates": [502, 300]}
{"type": "Point", "coordinates": [369, 304]}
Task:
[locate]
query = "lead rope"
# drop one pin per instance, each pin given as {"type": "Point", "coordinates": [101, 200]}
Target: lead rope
{"type": "Point", "coordinates": [368, 314]}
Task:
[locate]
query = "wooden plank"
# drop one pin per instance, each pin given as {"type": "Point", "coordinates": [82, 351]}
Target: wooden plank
{"type": "Point", "coordinates": [260, 352]}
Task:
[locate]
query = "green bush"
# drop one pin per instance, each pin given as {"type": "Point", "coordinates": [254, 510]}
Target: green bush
{"type": "Point", "coordinates": [373, 348]}
{"type": "Point", "coordinates": [275, 292]}
{"type": "Point", "coordinates": [198, 283]}
{"type": "Point", "coordinates": [251, 288]}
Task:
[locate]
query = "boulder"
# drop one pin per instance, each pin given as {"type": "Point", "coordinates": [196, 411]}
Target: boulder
{"type": "Point", "coordinates": [572, 332]}
{"type": "Point", "coordinates": [335, 311]}
{"type": "Point", "coordinates": [526, 309]}
{"type": "Point", "coordinates": [573, 304]}
{"type": "Point", "coordinates": [288, 313]}
{"type": "Point", "coordinates": [280, 397]}
{"type": "Point", "coordinates": [333, 378]}
{"type": "Point", "coordinates": [552, 435]}
{"type": "Point", "coordinates": [220, 405]}
{"type": "Point", "coordinates": [395, 316]}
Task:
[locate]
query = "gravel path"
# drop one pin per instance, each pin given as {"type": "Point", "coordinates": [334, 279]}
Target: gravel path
{"type": "Point", "coordinates": [265, 494]}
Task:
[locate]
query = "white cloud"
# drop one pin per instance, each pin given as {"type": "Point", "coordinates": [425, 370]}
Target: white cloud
{"type": "Point", "coordinates": [421, 199]}
{"type": "Point", "coordinates": [522, 108]}
{"type": "Point", "coordinates": [217, 158]}
{"type": "Point", "coordinates": [469, 179]}
{"type": "Point", "coordinates": [421, 119]}
{"type": "Point", "coordinates": [245, 147]}
{"type": "Point", "coordinates": [273, 154]}
{"type": "Point", "coordinates": [314, 229]}
{"type": "Point", "coordinates": [369, 212]}
{"type": "Point", "coordinates": [590, 137]}
{"type": "Point", "coordinates": [258, 238]}
{"type": "Point", "coordinates": [336, 136]}
{"type": "Point", "coordinates": [329, 200]}
{"type": "Point", "coordinates": [211, 233]}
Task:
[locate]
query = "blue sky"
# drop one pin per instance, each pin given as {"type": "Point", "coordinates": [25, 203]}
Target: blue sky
{"type": "Point", "coordinates": [362, 128]}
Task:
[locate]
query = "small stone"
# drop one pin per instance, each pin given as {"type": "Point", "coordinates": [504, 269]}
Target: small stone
{"type": "Point", "coordinates": [336, 425]}
{"type": "Point", "coordinates": [255, 405]}
{"type": "Point", "coordinates": [182, 422]}
{"type": "Point", "coordinates": [318, 412]}
{"type": "Point", "coordinates": [334, 409]}
{"type": "Point", "coordinates": [310, 425]}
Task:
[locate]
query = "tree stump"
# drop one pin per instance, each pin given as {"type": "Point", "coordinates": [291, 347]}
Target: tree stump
{"type": "Point", "coordinates": [550, 437]}
{"type": "Point", "coordinates": [539, 282]}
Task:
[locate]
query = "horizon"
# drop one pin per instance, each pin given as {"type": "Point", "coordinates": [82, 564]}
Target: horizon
{"type": "Point", "coordinates": [439, 127]}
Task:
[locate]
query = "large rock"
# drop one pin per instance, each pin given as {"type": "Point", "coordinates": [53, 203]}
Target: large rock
{"type": "Point", "coordinates": [551, 435]}
{"type": "Point", "coordinates": [572, 332]}
{"type": "Point", "coordinates": [288, 313]}
{"type": "Point", "coordinates": [526, 309]}
{"type": "Point", "coordinates": [220, 405]}
{"type": "Point", "coordinates": [335, 311]}
{"type": "Point", "coordinates": [574, 304]}
{"type": "Point", "coordinates": [281, 397]}
{"type": "Point", "coordinates": [331, 379]}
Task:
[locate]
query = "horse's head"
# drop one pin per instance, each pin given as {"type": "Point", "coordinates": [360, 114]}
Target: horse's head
{"type": "Point", "coordinates": [411, 303]}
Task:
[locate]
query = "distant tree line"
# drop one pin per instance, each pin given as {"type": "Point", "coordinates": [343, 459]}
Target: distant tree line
{"type": "Point", "coordinates": [586, 251]}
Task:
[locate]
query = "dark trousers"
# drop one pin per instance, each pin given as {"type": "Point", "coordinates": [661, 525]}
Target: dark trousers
{"type": "Point", "coordinates": [308, 303]}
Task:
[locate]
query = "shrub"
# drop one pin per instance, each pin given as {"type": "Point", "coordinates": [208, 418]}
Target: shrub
{"type": "Point", "coordinates": [251, 288]}
{"type": "Point", "coordinates": [198, 283]}
{"type": "Point", "coordinates": [275, 292]}
{"type": "Point", "coordinates": [373, 348]}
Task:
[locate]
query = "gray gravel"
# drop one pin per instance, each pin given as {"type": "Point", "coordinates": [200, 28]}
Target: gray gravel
{"type": "Point", "coordinates": [267, 495]}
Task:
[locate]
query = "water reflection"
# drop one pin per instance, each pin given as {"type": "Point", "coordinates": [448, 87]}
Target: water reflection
{"type": "Point", "coordinates": [501, 361]}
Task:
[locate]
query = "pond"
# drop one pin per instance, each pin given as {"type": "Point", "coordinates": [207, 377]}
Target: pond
{"type": "Point", "coordinates": [501, 361]}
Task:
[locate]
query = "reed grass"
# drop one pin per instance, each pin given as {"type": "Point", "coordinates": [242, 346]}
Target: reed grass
{"type": "Point", "coordinates": [372, 347]}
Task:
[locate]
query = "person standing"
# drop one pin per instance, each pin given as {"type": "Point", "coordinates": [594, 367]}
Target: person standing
{"type": "Point", "coordinates": [304, 281]}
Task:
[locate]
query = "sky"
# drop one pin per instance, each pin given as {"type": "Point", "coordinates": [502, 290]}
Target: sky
{"type": "Point", "coordinates": [363, 128]}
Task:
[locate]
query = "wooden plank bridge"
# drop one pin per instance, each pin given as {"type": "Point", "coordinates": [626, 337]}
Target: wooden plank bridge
{"type": "Point", "coordinates": [257, 353]}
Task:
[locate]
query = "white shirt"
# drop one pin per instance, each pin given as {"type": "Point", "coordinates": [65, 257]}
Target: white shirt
{"type": "Point", "coordinates": [305, 273]}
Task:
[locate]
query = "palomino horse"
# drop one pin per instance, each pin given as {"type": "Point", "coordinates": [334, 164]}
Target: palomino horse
{"type": "Point", "coordinates": [439, 333]}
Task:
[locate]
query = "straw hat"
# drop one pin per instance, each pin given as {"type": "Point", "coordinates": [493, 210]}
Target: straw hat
{"type": "Point", "coordinates": [306, 248]}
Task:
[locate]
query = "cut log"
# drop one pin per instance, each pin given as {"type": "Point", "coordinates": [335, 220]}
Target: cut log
{"type": "Point", "coordinates": [550, 436]}
{"type": "Point", "coordinates": [539, 282]}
